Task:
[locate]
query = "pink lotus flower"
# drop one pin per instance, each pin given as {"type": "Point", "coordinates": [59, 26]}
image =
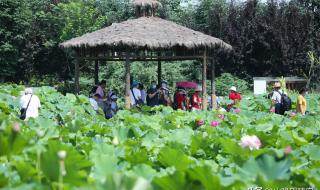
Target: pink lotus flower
{"type": "Point", "coordinates": [199, 123]}
{"type": "Point", "coordinates": [215, 123]}
{"type": "Point", "coordinates": [237, 110]}
{"type": "Point", "coordinates": [251, 142]}
{"type": "Point", "coordinates": [221, 116]}
{"type": "Point", "coordinates": [272, 110]}
{"type": "Point", "coordinates": [16, 127]}
{"type": "Point", "coordinates": [292, 114]}
{"type": "Point", "coordinates": [287, 150]}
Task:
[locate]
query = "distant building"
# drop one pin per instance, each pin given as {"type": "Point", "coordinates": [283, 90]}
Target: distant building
{"type": "Point", "coordinates": [260, 84]}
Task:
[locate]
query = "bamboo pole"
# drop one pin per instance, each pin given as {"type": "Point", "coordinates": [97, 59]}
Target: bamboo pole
{"type": "Point", "coordinates": [159, 70]}
{"type": "Point", "coordinates": [96, 72]}
{"type": "Point", "coordinates": [204, 84]}
{"type": "Point", "coordinates": [77, 76]}
{"type": "Point", "coordinates": [213, 86]}
{"type": "Point", "coordinates": [127, 81]}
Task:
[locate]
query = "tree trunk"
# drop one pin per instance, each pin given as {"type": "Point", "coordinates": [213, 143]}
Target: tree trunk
{"type": "Point", "coordinates": [204, 79]}
{"type": "Point", "coordinates": [127, 82]}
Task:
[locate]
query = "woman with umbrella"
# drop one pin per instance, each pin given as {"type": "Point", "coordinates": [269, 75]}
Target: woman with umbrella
{"type": "Point", "coordinates": [195, 99]}
{"type": "Point", "coordinates": [180, 99]}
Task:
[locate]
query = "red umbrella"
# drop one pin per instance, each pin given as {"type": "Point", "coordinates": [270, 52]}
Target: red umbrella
{"type": "Point", "coordinates": [187, 84]}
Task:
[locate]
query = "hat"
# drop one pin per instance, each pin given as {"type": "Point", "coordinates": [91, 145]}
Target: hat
{"type": "Point", "coordinates": [114, 97]}
{"type": "Point", "coordinates": [199, 89]}
{"type": "Point", "coordinates": [135, 83]}
{"type": "Point", "coordinates": [164, 81]}
{"type": "Point", "coordinates": [182, 90]}
{"type": "Point", "coordinates": [277, 85]}
{"type": "Point", "coordinates": [28, 91]}
{"type": "Point", "coordinates": [233, 88]}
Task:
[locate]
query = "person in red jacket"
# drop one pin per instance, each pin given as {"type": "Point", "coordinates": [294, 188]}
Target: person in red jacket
{"type": "Point", "coordinates": [234, 96]}
{"type": "Point", "coordinates": [180, 99]}
{"type": "Point", "coordinates": [196, 100]}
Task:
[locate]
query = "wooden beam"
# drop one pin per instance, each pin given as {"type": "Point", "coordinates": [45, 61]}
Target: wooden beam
{"type": "Point", "coordinates": [153, 58]}
{"type": "Point", "coordinates": [213, 86]}
{"type": "Point", "coordinates": [77, 76]}
{"type": "Point", "coordinates": [127, 82]}
{"type": "Point", "coordinates": [96, 72]}
{"type": "Point", "coordinates": [204, 79]}
{"type": "Point", "coordinates": [159, 72]}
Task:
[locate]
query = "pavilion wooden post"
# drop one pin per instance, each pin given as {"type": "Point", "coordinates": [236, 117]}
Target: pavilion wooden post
{"type": "Point", "coordinates": [204, 79]}
{"type": "Point", "coordinates": [159, 70]}
{"type": "Point", "coordinates": [96, 71]}
{"type": "Point", "coordinates": [127, 81]}
{"type": "Point", "coordinates": [213, 86]}
{"type": "Point", "coordinates": [77, 76]}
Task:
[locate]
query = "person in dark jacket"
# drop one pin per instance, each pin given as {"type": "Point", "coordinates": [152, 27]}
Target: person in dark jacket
{"type": "Point", "coordinates": [153, 95]}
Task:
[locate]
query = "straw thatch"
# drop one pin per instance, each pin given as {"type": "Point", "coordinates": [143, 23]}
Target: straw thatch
{"type": "Point", "coordinates": [145, 3]}
{"type": "Point", "coordinates": [146, 33]}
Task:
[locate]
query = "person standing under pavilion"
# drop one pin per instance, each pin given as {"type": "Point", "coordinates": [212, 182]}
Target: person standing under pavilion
{"type": "Point", "coordinates": [196, 101]}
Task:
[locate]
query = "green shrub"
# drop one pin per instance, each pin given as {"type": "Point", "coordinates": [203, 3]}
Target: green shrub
{"type": "Point", "coordinates": [226, 80]}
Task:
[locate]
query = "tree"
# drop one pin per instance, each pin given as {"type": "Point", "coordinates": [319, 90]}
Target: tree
{"type": "Point", "coordinates": [79, 17]}
{"type": "Point", "coordinates": [15, 23]}
{"type": "Point", "coordinates": [313, 67]}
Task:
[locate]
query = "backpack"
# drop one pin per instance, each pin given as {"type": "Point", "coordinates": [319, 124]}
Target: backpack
{"type": "Point", "coordinates": [175, 103]}
{"type": "Point", "coordinates": [286, 103]}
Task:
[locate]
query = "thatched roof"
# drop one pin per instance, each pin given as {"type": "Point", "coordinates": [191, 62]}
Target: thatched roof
{"type": "Point", "coordinates": [149, 33]}
{"type": "Point", "coordinates": [144, 3]}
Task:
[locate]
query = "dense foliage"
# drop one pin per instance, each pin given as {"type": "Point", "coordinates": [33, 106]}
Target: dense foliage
{"type": "Point", "coordinates": [269, 39]}
{"type": "Point", "coordinates": [166, 150]}
{"type": "Point", "coordinates": [226, 80]}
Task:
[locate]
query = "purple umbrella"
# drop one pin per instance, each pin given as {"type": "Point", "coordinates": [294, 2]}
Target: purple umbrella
{"type": "Point", "coordinates": [187, 84]}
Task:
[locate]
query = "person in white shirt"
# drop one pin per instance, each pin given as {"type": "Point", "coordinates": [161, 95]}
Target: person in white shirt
{"type": "Point", "coordinates": [33, 109]}
{"type": "Point", "coordinates": [94, 101]}
{"type": "Point", "coordinates": [136, 93]}
{"type": "Point", "coordinates": [277, 98]}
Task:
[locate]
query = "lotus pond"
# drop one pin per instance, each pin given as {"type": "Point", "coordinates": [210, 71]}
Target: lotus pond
{"type": "Point", "coordinates": [71, 147]}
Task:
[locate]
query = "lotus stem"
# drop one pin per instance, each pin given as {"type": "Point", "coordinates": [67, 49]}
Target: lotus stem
{"type": "Point", "coordinates": [38, 165]}
{"type": "Point", "coordinates": [62, 170]}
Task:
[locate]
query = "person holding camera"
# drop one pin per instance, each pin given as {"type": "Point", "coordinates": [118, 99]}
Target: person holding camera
{"type": "Point", "coordinates": [164, 94]}
{"type": "Point", "coordinates": [153, 95]}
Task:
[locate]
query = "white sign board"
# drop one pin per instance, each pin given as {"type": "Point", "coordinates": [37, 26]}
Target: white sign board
{"type": "Point", "coordinates": [259, 87]}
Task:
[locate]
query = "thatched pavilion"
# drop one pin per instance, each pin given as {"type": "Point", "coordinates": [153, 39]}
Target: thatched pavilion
{"type": "Point", "coordinates": [146, 38]}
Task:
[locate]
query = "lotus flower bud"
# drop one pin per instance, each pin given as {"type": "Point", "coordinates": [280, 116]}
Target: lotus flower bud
{"type": "Point", "coordinates": [287, 150]}
{"type": "Point", "coordinates": [199, 122]}
{"type": "Point", "coordinates": [62, 154]}
{"type": "Point", "coordinates": [292, 114]}
{"type": "Point", "coordinates": [40, 133]}
{"type": "Point", "coordinates": [251, 142]}
{"type": "Point", "coordinates": [237, 110]}
{"type": "Point", "coordinates": [215, 123]}
{"type": "Point", "coordinates": [115, 140]}
{"type": "Point", "coordinates": [16, 127]}
{"type": "Point", "coordinates": [221, 116]}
